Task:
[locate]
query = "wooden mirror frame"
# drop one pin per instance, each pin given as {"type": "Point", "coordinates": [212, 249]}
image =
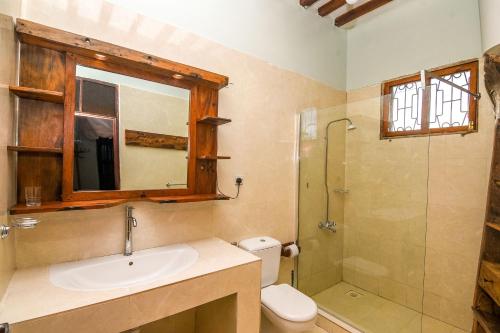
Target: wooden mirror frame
{"type": "Point", "coordinates": [46, 92]}
{"type": "Point", "coordinates": [68, 193]}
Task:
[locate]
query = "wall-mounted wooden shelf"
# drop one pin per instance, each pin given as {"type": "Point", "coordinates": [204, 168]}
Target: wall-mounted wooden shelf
{"type": "Point", "coordinates": [489, 323]}
{"type": "Point", "coordinates": [213, 158]}
{"type": "Point", "coordinates": [26, 149]}
{"type": "Point", "coordinates": [58, 206]}
{"type": "Point", "coordinates": [216, 121]}
{"type": "Point", "coordinates": [38, 94]}
{"type": "Point", "coordinates": [495, 226]}
{"type": "Point", "coordinates": [188, 198]}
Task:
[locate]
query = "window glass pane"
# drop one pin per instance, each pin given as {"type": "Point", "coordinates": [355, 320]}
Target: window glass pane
{"type": "Point", "coordinates": [406, 107]}
{"type": "Point", "coordinates": [449, 106]}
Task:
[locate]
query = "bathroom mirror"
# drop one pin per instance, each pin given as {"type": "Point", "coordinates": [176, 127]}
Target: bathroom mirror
{"type": "Point", "coordinates": [101, 125]}
{"type": "Point", "coordinates": [129, 133]}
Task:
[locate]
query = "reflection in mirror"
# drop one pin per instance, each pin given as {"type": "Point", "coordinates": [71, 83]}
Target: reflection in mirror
{"type": "Point", "coordinates": [130, 134]}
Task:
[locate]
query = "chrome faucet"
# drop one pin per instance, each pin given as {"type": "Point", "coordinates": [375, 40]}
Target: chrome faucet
{"type": "Point", "coordinates": [130, 223]}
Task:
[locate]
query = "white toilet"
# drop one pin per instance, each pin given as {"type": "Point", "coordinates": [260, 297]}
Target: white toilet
{"type": "Point", "coordinates": [284, 308]}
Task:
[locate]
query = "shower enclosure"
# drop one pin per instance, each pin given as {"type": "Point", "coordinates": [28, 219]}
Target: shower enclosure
{"type": "Point", "coordinates": [364, 205]}
{"type": "Point", "coordinates": [362, 218]}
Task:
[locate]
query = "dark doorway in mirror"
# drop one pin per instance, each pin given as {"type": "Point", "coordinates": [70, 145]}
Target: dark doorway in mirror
{"type": "Point", "coordinates": [96, 162]}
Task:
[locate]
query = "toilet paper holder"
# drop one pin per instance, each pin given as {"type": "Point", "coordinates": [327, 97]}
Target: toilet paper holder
{"type": "Point", "coordinates": [285, 251]}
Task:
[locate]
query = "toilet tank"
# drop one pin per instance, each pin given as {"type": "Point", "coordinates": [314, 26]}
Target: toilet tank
{"type": "Point", "coordinates": [269, 250]}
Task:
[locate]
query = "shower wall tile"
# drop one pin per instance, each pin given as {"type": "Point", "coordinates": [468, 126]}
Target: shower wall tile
{"type": "Point", "coordinates": [414, 298]}
{"type": "Point", "coordinates": [385, 211]}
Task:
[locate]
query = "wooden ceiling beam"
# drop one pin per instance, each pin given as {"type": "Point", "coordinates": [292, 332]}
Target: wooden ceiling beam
{"type": "Point", "coordinates": [330, 6]}
{"type": "Point", "coordinates": [307, 3]}
{"type": "Point", "coordinates": [359, 11]}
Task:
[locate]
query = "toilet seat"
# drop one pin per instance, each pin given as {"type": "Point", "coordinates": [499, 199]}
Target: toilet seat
{"type": "Point", "coordinates": [289, 303]}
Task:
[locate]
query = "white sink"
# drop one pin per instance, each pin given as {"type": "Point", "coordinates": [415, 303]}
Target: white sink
{"type": "Point", "coordinates": [119, 271]}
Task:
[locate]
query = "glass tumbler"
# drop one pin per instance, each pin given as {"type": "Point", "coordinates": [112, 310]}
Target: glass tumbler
{"type": "Point", "coordinates": [33, 196]}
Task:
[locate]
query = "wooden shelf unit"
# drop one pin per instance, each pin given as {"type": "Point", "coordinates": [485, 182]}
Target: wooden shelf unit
{"type": "Point", "coordinates": [489, 323]}
{"type": "Point", "coordinates": [487, 295]}
{"type": "Point", "coordinates": [494, 226]}
{"type": "Point", "coordinates": [216, 121]}
{"type": "Point", "coordinates": [26, 149]}
{"type": "Point", "coordinates": [489, 280]}
{"type": "Point", "coordinates": [38, 94]}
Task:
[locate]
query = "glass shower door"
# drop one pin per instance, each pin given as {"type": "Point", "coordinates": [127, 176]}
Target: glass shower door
{"type": "Point", "coordinates": [362, 218]}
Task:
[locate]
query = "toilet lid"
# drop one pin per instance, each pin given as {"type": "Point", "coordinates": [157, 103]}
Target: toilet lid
{"type": "Point", "coordinates": [289, 303]}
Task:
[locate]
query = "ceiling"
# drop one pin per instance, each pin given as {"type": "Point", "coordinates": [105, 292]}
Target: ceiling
{"type": "Point", "coordinates": [342, 12]}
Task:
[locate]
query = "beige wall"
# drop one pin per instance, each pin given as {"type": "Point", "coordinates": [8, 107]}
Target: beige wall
{"type": "Point", "coordinates": [390, 229]}
{"type": "Point", "coordinates": [399, 43]}
{"type": "Point", "coordinates": [11, 8]}
{"type": "Point", "coordinates": [262, 102]}
{"type": "Point", "coordinates": [7, 76]}
{"type": "Point", "coordinates": [146, 111]}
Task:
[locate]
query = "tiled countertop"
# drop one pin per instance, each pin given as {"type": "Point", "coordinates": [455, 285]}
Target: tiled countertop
{"type": "Point", "coordinates": [31, 295]}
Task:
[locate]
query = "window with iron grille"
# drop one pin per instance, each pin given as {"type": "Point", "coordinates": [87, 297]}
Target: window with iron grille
{"type": "Point", "coordinates": [410, 110]}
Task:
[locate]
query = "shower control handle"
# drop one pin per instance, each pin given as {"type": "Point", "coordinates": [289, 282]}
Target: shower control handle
{"type": "Point", "coordinates": [328, 225]}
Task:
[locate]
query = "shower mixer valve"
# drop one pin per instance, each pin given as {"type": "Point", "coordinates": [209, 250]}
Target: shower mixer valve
{"type": "Point", "coordinates": [328, 225]}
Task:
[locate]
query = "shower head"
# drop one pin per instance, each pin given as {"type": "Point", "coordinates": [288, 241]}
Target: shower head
{"type": "Point", "coordinates": [350, 125]}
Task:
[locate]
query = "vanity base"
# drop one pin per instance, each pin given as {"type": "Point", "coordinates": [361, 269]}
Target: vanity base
{"type": "Point", "coordinates": [223, 286]}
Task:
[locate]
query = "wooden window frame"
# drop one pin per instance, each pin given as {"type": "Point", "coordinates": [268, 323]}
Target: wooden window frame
{"type": "Point", "coordinates": [471, 66]}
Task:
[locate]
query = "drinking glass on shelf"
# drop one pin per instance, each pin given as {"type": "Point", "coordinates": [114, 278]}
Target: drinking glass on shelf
{"type": "Point", "coordinates": [33, 196]}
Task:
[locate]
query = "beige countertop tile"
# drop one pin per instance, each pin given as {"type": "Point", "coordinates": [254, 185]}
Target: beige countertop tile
{"type": "Point", "coordinates": [30, 293]}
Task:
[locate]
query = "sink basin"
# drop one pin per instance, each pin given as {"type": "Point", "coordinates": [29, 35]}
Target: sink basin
{"type": "Point", "coordinates": [119, 271]}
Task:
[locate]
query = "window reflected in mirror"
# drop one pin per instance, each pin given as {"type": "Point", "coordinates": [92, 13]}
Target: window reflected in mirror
{"type": "Point", "coordinates": [130, 134]}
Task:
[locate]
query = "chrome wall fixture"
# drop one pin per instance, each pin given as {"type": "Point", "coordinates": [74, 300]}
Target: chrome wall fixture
{"type": "Point", "coordinates": [4, 328]}
{"type": "Point", "coordinates": [328, 224]}
{"type": "Point", "coordinates": [174, 184]}
{"type": "Point", "coordinates": [19, 223]}
{"type": "Point", "coordinates": [4, 231]}
{"type": "Point", "coordinates": [25, 222]}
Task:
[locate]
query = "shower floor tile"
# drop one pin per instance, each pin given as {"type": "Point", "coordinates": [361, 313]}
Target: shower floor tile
{"type": "Point", "coordinates": [373, 314]}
